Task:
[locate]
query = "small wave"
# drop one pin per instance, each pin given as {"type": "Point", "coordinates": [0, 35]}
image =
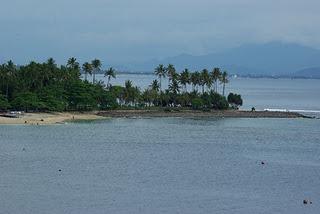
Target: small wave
{"type": "Point", "coordinates": [292, 110]}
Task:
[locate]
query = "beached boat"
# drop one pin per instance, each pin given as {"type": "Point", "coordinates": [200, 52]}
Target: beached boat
{"type": "Point", "coordinates": [12, 114]}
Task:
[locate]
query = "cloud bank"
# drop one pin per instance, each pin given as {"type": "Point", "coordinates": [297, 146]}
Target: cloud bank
{"type": "Point", "coordinates": [124, 31]}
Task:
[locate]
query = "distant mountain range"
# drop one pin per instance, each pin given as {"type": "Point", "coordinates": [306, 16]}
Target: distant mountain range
{"type": "Point", "coordinates": [273, 59]}
{"type": "Point", "coordinates": [308, 73]}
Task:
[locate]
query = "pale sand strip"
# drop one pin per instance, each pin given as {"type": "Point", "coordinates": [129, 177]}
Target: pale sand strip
{"type": "Point", "coordinates": [56, 118]}
{"type": "Point", "coordinates": [50, 118]}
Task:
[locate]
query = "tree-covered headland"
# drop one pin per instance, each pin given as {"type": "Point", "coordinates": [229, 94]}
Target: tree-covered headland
{"type": "Point", "coordinates": [49, 87]}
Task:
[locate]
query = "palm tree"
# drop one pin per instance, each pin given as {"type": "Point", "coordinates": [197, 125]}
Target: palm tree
{"type": "Point", "coordinates": [216, 73]}
{"type": "Point", "coordinates": [171, 72]}
{"type": "Point", "coordinates": [110, 73]}
{"type": "Point", "coordinates": [205, 79]}
{"type": "Point", "coordinates": [224, 80]}
{"type": "Point", "coordinates": [128, 91]}
{"type": "Point", "coordinates": [51, 64]}
{"type": "Point", "coordinates": [155, 85]}
{"type": "Point", "coordinates": [174, 88]}
{"type": "Point", "coordinates": [47, 72]}
{"type": "Point", "coordinates": [160, 71]}
{"type": "Point", "coordinates": [10, 69]}
{"type": "Point", "coordinates": [96, 65]}
{"type": "Point", "coordinates": [197, 80]}
{"type": "Point", "coordinates": [73, 68]}
{"type": "Point", "coordinates": [72, 63]}
{"type": "Point", "coordinates": [128, 84]}
{"type": "Point", "coordinates": [87, 68]}
{"type": "Point", "coordinates": [184, 78]}
{"type": "Point", "coordinates": [194, 80]}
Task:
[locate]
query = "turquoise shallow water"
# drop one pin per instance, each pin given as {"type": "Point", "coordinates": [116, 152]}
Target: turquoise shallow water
{"type": "Point", "coordinates": [161, 165]}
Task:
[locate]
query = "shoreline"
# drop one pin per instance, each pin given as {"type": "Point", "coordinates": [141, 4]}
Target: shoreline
{"type": "Point", "coordinates": [50, 118]}
{"type": "Point", "coordinates": [197, 113]}
{"type": "Point", "coordinates": [64, 117]}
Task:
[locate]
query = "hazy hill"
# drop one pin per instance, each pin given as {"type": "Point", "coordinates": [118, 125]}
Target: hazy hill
{"type": "Point", "coordinates": [308, 72]}
{"type": "Point", "coordinates": [274, 58]}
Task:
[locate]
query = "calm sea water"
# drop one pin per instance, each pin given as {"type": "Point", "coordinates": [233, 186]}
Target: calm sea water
{"type": "Point", "coordinates": [162, 165]}
{"type": "Point", "coordinates": [290, 94]}
{"type": "Point", "coordinates": [170, 165]}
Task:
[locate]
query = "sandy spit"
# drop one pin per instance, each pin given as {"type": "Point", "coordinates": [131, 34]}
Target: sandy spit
{"type": "Point", "coordinates": [50, 118]}
{"type": "Point", "coordinates": [60, 118]}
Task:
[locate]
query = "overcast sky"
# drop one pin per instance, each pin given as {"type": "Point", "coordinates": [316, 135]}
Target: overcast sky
{"type": "Point", "coordinates": [121, 31]}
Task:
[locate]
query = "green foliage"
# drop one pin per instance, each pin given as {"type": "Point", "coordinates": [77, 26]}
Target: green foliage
{"type": "Point", "coordinates": [235, 100]}
{"type": "Point", "coordinates": [207, 100]}
{"type": "Point", "coordinates": [48, 87]}
{"type": "Point", "coordinates": [184, 99]}
{"type": "Point", "coordinates": [109, 101]}
{"type": "Point", "coordinates": [110, 73]}
{"type": "Point", "coordinates": [80, 96]}
{"type": "Point", "coordinates": [4, 104]}
{"type": "Point", "coordinates": [27, 101]}
{"type": "Point", "coordinates": [197, 103]}
{"type": "Point", "coordinates": [53, 99]}
{"type": "Point", "coordinates": [218, 101]}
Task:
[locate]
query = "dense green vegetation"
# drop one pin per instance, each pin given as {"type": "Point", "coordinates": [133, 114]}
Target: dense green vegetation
{"type": "Point", "coordinates": [49, 87]}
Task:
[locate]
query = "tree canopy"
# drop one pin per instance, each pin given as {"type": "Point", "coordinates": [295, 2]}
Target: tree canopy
{"type": "Point", "coordinates": [49, 87]}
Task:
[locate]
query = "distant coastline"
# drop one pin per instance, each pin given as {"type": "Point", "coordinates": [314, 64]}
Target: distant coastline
{"type": "Point", "coordinates": [253, 76]}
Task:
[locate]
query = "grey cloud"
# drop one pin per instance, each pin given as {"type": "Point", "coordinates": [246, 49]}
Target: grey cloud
{"type": "Point", "coordinates": [126, 30]}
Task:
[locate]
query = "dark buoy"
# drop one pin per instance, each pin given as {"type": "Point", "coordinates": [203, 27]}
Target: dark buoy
{"type": "Point", "coordinates": [262, 163]}
{"type": "Point", "coordinates": [305, 201]}
{"type": "Point", "coordinates": [60, 170]}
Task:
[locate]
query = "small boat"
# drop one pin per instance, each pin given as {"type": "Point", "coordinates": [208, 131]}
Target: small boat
{"type": "Point", "coordinates": [12, 114]}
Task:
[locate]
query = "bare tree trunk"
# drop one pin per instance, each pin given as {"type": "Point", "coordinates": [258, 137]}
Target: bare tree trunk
{"type": "Point", "coordinates": [160, 93]}
{"type": "Point", "coordinates": [7, 91]}
{"type": "Point", "coordinates": [216, 89]}
{"type": "Point", "coordinates": [224, 86]}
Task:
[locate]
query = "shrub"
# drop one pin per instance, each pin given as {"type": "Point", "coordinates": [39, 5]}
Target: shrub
{"type": "Point", "coordinates": [235, 100]}
{"type": "Point", "coordinates": [218, 101]}
{"type": "Point", "coordinates": [197, 103]}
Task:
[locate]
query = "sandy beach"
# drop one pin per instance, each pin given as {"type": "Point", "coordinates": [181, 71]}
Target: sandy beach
{"type": "Point", "coordinates": [58, 118]}
{"type": "Point", "coordinates": [50, 118]}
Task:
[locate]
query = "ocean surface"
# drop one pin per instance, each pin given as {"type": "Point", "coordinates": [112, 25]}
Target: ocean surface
{"type": "Point", "coordinates": [170, 165]}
